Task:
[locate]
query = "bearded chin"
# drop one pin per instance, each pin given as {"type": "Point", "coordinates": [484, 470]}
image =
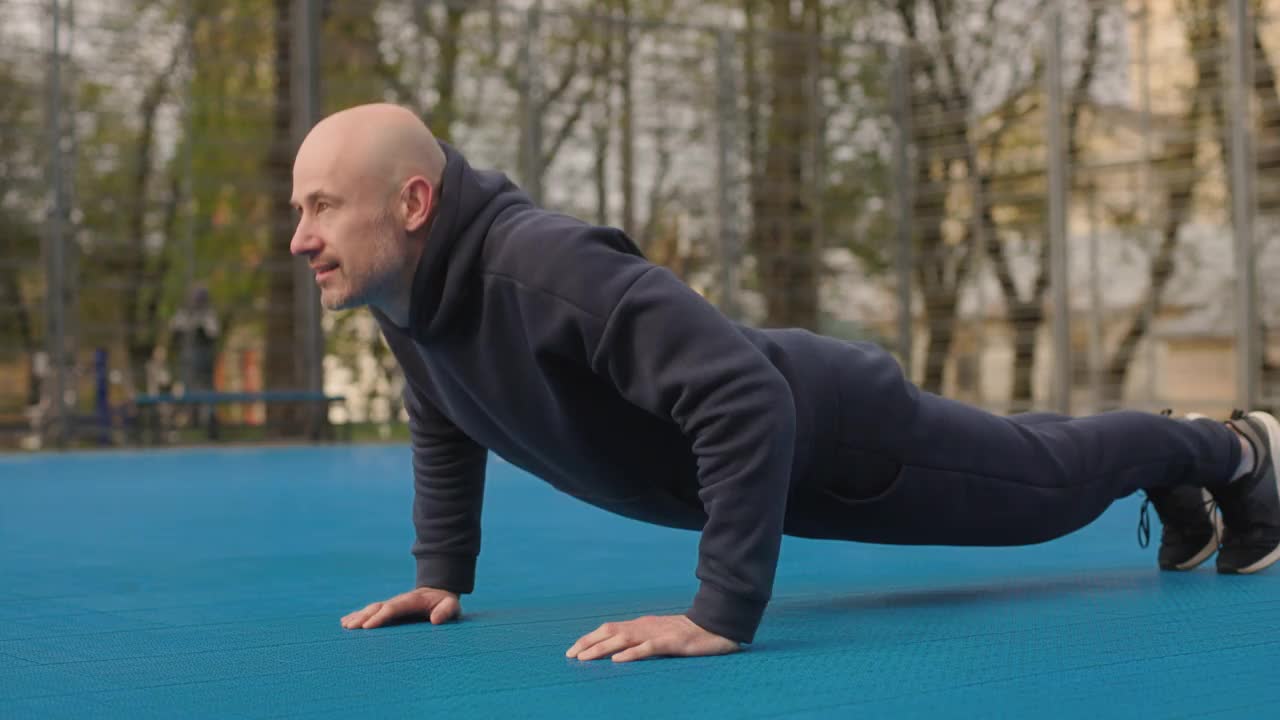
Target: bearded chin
{"type": "Point", "coordinates": [333, 299]}
{"type": "Point", "coordinates": [371, 294]}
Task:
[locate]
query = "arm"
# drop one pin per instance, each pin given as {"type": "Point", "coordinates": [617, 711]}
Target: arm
{"type": "Point", "coordinates": [669, 351]}
{"type": "Point", "coordinates": [448, 491]}
{"type": "Point", "coordinates": [448, 469]}
{"type": "Point", "coordinates": [448, 479]}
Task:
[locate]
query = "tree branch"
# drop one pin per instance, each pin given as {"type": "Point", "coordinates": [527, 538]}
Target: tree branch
{"type": "Point", "coordinates": [567, 74]}
{"type": "Point", "coordinates": [566, 128]}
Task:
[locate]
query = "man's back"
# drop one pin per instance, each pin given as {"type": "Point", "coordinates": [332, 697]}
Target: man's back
{"type": "Point", "coordinates": [557, 346]}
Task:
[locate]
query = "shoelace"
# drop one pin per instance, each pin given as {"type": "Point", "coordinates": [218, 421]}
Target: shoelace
{"type": "Point", "coordinates": [1211, 506]}
{"type": "Point", "coordinates": [1144, 522]}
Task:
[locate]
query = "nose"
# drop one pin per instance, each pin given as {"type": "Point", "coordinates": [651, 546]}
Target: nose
{"type": "Point", "coordinates": [304, 241]}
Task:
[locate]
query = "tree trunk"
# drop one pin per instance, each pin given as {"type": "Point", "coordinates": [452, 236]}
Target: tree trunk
{"type": "Point", "coordinates": [1027, 316]}
{"type": "Point", "coordinates": [939, 143]}
{"type": "Point", "coordinates": [141, 303]}
{"type": "Point", "coordinates": [940, 266]}
{"type": "Point", "coordinates": [752, 81]}
{"type": "Point", "coordinates": [445, 113]}
{"type": "Point", "coordinates": [281, 369]}
{"type": "Point", "coordinates": [942, 311]}
{"type": "Point", "coordinates": [627, 122]}
{"type": "Point", "coordinates": [782, 236]}
{"type": "Point", "coordinates": [1267, 165]}
{"type": "Point", "coordinates": [1204, 38]}
{"type": "Point", "coordinates": [11, 297]}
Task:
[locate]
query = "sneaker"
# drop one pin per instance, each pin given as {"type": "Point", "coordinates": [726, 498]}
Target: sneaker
{"type": "Point", "coordinates": [1251, 505]}
{"type": "Point", "coordinates": [1191, 527]}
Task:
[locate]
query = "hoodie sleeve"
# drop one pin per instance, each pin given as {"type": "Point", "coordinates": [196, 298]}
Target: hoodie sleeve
{"type": "Point", "coordinates": [672, 353]}
{"type": "Point", "coordinates": [448, 491]}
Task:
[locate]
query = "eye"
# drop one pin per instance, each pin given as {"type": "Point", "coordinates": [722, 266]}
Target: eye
{"type": "Point", "coordinates": [321, 206]}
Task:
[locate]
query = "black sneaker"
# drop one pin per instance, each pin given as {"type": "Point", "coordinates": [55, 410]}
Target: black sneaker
{"type": "Point", "coordinates": [1251, 505]}
{"type": "Point", "coordinates": [1191, 527]}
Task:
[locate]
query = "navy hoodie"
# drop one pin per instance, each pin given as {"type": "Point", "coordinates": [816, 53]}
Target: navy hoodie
{"type": "Point", "coordinates": [554, 344]}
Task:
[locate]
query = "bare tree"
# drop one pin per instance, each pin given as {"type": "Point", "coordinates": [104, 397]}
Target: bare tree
{"type": "Point", "coordinates": [19, 239]}
{"type": "Point", "coordinates": [946, 95]}
{"type": "Point", "coordinates": [1204, 37]}
{"type": "Point", "coordinates": [782, 235]}
{"type": "Point", "coordinates": [1027, 315]}
{"type": "Point", "coordinates": [282, 365]}
{"type": "Point", "coordinates": [941, 101]}
{"type": "Point", "coordinates": [143, 270]}
{"type": "Point", "coordinates": [539, 101]}
{"type": "Point", "coordinates": [440, 30]}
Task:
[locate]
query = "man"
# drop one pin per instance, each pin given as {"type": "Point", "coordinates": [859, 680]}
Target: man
{"type": "Point", "coordinates": [195, 330]}
{"type": "Point", "coordinates": [194, 339]}
{"type": "Point", "coordinates": [554, 344]}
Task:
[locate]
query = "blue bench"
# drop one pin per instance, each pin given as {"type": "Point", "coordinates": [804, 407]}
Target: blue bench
{"type": "Point", "coordinates": [148, 407]}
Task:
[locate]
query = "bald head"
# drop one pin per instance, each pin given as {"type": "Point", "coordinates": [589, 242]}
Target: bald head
{"type": "Point", "coordinates": [380, 142]}
{"type": "Point", "coordinates": [365, 184]}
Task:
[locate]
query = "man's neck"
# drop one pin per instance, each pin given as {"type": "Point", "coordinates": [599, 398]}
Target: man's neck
{"type": "Point", "coordinates": [397, 309]}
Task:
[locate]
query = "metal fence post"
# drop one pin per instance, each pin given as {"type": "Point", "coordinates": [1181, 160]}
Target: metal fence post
{"type": "Point", "coordinates": [900, 90]}
{"type": "Point", "coordinates": [188, 236]}
{"type": "Point", "coordinates": [817, 155]}
{"type": "Point", "coordinates": [1059, 190]}
{"type": "Point", "coordinates": [305, 86]}
{"type": "Point", "coordinates": [1243, 208]}
{"type": "Point", "coordinates": [531, 154]}
{"type": "Point", "coordinates": [55, 241]}
{"type": "Point", "coordinates": [1097, 333]}
{"type": "Point", "coordinates": [978, 226]}
{"type": "Point", "coordinates": [726, 133]}
{"type": "Point", "coordinates": [1148, 189]}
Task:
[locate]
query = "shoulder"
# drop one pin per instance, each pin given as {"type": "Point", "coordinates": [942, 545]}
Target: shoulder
{"type": "Point", "coordinates": [561, 256]}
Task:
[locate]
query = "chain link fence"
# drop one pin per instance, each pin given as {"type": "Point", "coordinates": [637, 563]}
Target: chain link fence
{"type": "Point", "coordinates": [1042, 205]}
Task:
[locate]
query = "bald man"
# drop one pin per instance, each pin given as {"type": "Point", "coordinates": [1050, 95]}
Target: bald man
{"type": "Point", "coordinates": [556, 345]}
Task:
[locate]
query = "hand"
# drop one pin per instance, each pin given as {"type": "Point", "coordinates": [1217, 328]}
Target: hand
{"type": "Point", "coordinates": [438, 606]}
{"type": "Point", "coordinates": [670, 635]}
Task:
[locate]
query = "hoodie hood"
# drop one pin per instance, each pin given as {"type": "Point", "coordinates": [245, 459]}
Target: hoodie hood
{"type": "Point", "coordinates": [470, 201]}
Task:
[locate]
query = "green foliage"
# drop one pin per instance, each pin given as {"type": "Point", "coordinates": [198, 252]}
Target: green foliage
{"type": "Point", "coordinates": [228, 136]}
{"type": "Point", "coordinates": [21, 173]}
{"type": "Point", "coordinates": [183, 194]}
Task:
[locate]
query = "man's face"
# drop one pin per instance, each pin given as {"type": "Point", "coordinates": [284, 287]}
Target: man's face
{"type": "Point", "coordinates": [348, 231]}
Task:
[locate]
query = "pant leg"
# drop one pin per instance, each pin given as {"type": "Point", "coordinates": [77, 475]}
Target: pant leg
{"type": "Point", "coordinates": [964, 476]}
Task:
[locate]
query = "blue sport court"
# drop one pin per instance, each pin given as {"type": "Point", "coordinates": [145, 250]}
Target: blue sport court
{"type": "Point", "coordinates": [186, 584]}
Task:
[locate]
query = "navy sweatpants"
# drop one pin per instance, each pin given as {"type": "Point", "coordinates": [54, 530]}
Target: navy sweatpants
{"type": "Point", "coordinates": [958, 475]}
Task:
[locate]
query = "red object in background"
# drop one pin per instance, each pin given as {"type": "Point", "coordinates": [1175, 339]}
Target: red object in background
{"type": "Point", "coordinates": [251, 377]}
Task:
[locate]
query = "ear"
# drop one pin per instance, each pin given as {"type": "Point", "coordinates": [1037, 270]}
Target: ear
{"type": "Point", "coordinates": [417, 200]}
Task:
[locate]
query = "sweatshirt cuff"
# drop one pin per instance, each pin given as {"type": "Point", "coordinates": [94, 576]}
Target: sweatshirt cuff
{"type": "Point", "coordinates": [455, 573]}
{"type": "Point", "coordinates": [730, 616]}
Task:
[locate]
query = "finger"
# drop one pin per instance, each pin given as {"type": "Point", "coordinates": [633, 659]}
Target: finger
{"type": "Point", "coordinates": [387, 612]}
{"type": "Point", "coordinates": [445, 610]}
{"type": "Point", "coordinates": [355, 619]}
{"type": "Point", "coordinates": [621, 641]}
{"type": "Point", "coordinates": [351, 615]}
{"type": "Point", "coordinates": [646, 649]}
{"type": "Point", "coordinates": [591, 638]}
